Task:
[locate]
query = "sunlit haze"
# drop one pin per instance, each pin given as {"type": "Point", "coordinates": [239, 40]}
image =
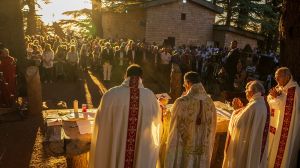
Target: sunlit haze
{"type": "Point", "coordinates": [53, 11]}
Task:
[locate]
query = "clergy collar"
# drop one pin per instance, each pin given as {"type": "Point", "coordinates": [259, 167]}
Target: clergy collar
{"type": "Point", "coordinates": [256, 96]}
{"type": "Point", "coordinates": [290, 84]}
{"type": "Point", "coordinates": [126, 82]}
{"type": "Point", "coordinates": [197, 91]}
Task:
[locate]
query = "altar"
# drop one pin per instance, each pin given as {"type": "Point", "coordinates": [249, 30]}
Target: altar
{"type": "Point", "coordinates": [68, 133]}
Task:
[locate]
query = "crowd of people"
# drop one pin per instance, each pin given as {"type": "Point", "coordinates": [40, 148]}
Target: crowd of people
{"type": "Point", "coordinates": [63, 58]}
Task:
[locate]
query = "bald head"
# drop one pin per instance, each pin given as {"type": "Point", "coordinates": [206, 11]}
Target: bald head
{"type": "Point", "coordinates": [285, 71]}
{"type": "Point", "coordinates": [283, 76]}
{"type": "Point", "coordinates": [254, 87]}
{"type": "Point", "coordinates": [4, 52]}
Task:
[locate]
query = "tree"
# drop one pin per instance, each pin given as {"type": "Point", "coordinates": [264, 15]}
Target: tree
{"type": "Point", "coordinates": [30, 14]}
{"type": "Point", "coordinates": [111, 5]}
{"type": "Point", "coordinates": [269, 25]}
{"type": "Point", "coordinates": [31, 18]}
{"type": "Point", "coordinates": [92, 22]}
{"type": "Point", "coordinates": [81, 19]}
{"type": "Point", "coordinates": [97, 17]}
{"type": "Point", "coordinates": [229, 7]}
{"type": "Point", "coordinates": [289, 29]}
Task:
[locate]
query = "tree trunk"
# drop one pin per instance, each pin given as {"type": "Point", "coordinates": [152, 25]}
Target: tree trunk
{"type": "Point", "coordinates": [12, 34]}
{"type": "Point", "coordinates": [11, 28]}
{"type": "Point", "coordinates": [229, 13]}
{"type": "Point", "coordinates": [289, 28]}
{"type": "Point", "coordinates": [97, 17]}
{"type": "Point", "coordinates": [31, 18]}
{"type": "Point", "coordinates": [243, 12]}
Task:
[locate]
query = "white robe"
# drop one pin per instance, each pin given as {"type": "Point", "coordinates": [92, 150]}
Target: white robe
{"type": "Point", "coordinates": [190, 145]}
{"type": "Point", "coordinates": [292, 143]}
{"type": "Point", "coordinates": [110, 131]}
{"type": "Point", "coordinates": [246, 128]}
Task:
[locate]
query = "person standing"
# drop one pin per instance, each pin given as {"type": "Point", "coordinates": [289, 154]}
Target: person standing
{"type": "Point", "coordinates": [175, 78]}
{"type": "Point", "coordinates": [285, 121]}
{"type": "Point", "coordinates": [60, 62]}
{"type": "Point", "coordinates": [73, 59]}
{"type": "Point", "coordinates": [48, 57]}
{"type": "Point", "coordinates": [247, 136]}
{"type": "Point", "coordinates": [8, 70]}
{"type": "Point", "coordinates": [193, 127]}
{"type": "Point", "coordinates": [84, 53]}
{"type": "Point", "coordinates": [231, 61]}
{"type": "Point", "coordinates": [127, 126]}
{"type": "Point", "coordinates": [107, 58]}
{"type": "Point", "coordinates": [165, 58]}
{"type": "Point", "coordinates": [36, 56]}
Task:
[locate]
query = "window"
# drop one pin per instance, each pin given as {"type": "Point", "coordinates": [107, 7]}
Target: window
{"type": "Point", "coordinates": [183, 16]}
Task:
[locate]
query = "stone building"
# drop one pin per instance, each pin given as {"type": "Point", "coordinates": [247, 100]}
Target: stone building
{"type": "Point", "coordinates": [223, 35]}
{"type": "Point", "coordinates": [130, 24]}
{"type": "Point", "coordinates": [190, 22]}
{"type": "Point", "coordinates": [176, 22]}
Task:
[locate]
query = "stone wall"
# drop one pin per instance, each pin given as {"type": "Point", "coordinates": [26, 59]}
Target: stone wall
{"type": "Point", "coordinates": [242, 40]}
{"type": "Point", "coordinates": [165, 21]}
{"type": "Point", "coordinates": [224, 38]}
{"type": "Point", "coordinates": [124, 25]}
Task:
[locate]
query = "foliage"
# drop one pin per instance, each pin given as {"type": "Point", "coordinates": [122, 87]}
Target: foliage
{"type": "Point", "coordinates": [81, 21]}
{"type": "Point", "coordinates": [249, 14]}
{"type": "Point", "coordinates": [87, 21]}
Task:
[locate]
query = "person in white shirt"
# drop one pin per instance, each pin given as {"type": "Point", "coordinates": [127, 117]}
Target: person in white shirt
{"type": "Point", "coordinates": [48, 57]}
{"type": "Point", "coordinates": [84, 53]}
{"type": "Point", "coordinates": [72, 60]}
{"type": "Point", "coordinates": [165, 58]}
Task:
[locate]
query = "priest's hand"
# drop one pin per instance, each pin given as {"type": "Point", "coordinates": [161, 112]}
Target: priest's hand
{"type": "Point", "coordinates": [274, 93]}
{"type": "Point", "coordinates": [237, 103]}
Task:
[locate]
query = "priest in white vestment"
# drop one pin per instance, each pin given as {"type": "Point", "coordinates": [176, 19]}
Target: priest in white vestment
{"type": "Point", "coordinates": [127, 126]}
{"type": "Point", "coordinates": [285, 121]}
{"type": "Point", "coordinates": [193, 127]}
{"type": "Point", "coordinates": [246, 145]}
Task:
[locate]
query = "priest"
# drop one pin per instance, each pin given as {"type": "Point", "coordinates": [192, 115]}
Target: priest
{"type": "Point", "coordinates": [127, 126]}
{"type": "Point", "coordinates": [192, 128]}
{"type": "Point", "coordinates": [285, 121]}
{"type": "Point", "coordinates": [246, 144]}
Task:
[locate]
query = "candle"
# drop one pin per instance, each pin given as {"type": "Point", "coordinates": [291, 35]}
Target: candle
{"type": "Point", "coordinates": [75, 106]}
{"type": "Point", "coordinates": [84, 107]}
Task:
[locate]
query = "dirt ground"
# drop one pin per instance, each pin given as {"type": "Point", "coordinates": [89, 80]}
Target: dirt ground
{"type": "Point", "coordinates": [21, 138]}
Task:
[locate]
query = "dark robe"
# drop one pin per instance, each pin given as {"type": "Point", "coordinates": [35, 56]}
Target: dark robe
{"type": "Point", "coordinates": [8, 68]}
{"type": "Point", "coordinates": [230, 67]}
